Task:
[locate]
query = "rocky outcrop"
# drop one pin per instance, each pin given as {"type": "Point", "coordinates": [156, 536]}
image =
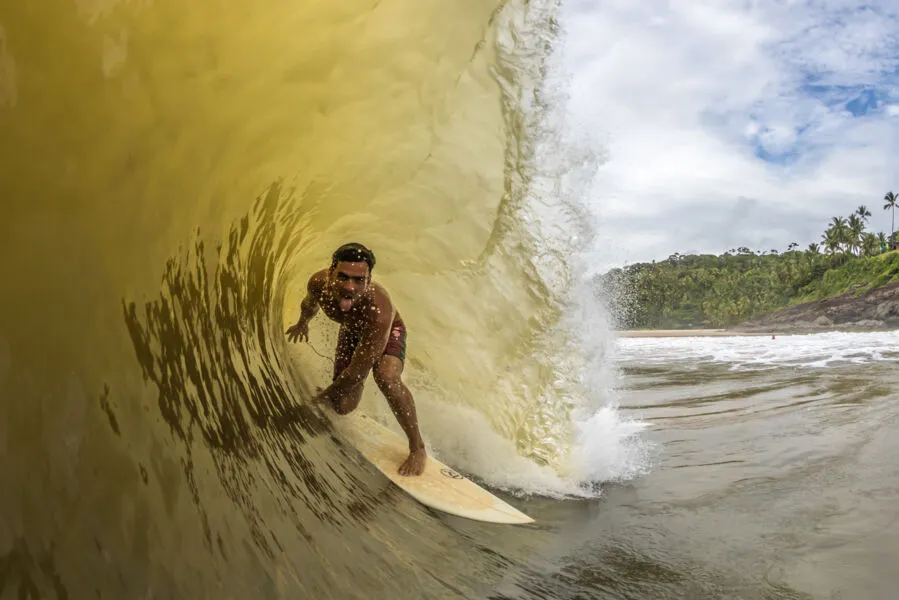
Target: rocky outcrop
{"type": "Point", "coordinates": [871, 310]}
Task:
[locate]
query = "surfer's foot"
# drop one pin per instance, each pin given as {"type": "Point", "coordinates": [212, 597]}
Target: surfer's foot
{"type": "Point", "coordinates": [415, 464]}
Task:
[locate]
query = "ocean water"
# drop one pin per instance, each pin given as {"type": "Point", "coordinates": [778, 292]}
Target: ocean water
{"type": "Point", "coordinates": [170, 175]}
{"type": "Point", "coordinates": [775, 470]}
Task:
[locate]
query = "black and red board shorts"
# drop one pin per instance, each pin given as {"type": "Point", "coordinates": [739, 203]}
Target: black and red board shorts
{"type": "Point", "coordinates": [347, 342]}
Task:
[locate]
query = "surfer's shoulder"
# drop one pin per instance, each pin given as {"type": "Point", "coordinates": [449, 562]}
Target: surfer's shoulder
{"type": "Point", "coordinates": [317, 281]}
{"type": "Point", "coordinates": [380, 303]}
{"type": "Point", "coordinates": [381, 296]}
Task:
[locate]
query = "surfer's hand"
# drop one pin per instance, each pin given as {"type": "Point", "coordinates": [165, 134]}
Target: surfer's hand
{"type": "Point", "coordinates": [322, 396]}
{"type": "Point", "coordinates": [415, 464]}
{"type": "Point", "coordinates": [300, 331]}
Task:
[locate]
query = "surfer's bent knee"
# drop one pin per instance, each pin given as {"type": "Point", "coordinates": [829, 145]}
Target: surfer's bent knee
{"type": "Point", "coordinates": [388, 376]}
{"type": "Point", "coordinates": [349, 402]}
{"type": "Point", "coordinates": [341, 409]}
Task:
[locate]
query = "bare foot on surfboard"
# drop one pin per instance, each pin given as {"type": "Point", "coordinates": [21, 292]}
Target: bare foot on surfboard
{"type": "Point", "coordinates": [415, 463]}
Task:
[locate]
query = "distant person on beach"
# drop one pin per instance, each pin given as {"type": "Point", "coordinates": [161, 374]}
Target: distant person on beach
{"type": "Point", "coordinates": [372, 338]}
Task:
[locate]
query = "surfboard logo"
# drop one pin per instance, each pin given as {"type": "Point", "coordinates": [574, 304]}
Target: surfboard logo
{"type": "Point", "coordinates": [450, 473]}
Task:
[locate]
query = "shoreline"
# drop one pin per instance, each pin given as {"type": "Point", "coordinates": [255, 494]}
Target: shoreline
{"type": "Point", "coordinates": [674, 333]}
{"type": "Point", "coordinates": [663, 333]}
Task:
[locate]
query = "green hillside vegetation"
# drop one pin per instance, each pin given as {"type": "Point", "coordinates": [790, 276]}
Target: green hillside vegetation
{"type": "Point", "coordinates": [695, 291]}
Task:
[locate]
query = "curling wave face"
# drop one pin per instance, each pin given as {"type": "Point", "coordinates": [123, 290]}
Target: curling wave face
{"type": "Point", "coordinates": [171, 174]}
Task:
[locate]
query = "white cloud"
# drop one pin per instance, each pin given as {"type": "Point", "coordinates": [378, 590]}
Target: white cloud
{"type": "Point", "coordinates": [731, 123]}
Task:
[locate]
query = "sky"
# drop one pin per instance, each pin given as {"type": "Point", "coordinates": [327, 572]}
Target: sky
{"type": "Point", "coordinates": [727, 123]}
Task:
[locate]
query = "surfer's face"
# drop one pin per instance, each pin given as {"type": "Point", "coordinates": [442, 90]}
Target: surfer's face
{"type": "Point", "coordinates": [349, 280]}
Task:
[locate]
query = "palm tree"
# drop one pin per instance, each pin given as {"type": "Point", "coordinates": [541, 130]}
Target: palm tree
{"type": "Point", "coordinates": [869, 244]}
{"type": "Point", "coordinates": [856, 228]}
{"type": "Point", "coordinates": [891, 199]}
{"type": "Point", "coordinates": [839, 230]}
{"type": "Point", "coordinates": [831, 241]}
{"type": "Point", "coordinates": [882, 240]}
{"type": "Point", "coordinates": [813, 248]}
{"type": "Point", "coordinates": [863, 212]}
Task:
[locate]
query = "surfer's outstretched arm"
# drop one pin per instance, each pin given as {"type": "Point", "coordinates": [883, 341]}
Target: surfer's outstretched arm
{"type": "Point", "coordinates": [308, 309]}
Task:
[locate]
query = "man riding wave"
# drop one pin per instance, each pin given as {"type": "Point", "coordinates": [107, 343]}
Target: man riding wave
{"type": "Point", "coordinates": [372, 338]}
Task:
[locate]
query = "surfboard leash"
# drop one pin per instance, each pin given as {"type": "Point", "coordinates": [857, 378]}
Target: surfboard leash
{"type": "Point", "coordinates": [317, 352]}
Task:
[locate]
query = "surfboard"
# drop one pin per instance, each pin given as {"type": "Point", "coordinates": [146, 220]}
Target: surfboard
{"type": "Point", "coordinates": [439, 487]}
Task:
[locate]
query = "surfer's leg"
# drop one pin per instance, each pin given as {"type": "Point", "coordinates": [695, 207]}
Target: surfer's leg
{"type": "Point", "coordinates": [387, 374]}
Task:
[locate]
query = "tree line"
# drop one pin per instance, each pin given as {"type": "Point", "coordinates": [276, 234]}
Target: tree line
{"type": "Point", "coordinates": [686, 291]}
{"type": "Point", "coordinates": [849, 235]}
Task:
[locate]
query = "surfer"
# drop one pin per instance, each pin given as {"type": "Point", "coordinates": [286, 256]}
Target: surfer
{"type": "Point", "coordinates": [372, 338]}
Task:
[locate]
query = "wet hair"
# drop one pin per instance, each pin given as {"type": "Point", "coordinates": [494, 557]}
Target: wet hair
{"type": "Point", "coordinates": [353, 252]}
